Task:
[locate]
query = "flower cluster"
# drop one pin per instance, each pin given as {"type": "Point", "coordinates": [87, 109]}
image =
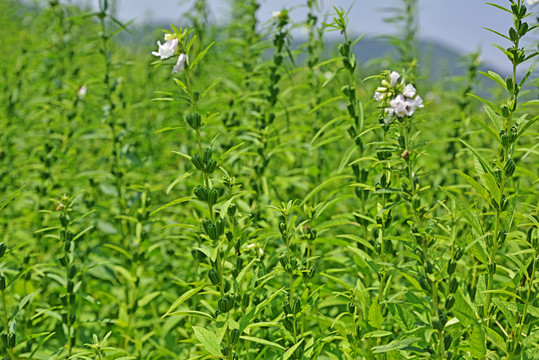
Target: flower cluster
{"type": "Point", "coordinates": [397, 98]}
{"type": "Point", "coordinates": [169, 49]}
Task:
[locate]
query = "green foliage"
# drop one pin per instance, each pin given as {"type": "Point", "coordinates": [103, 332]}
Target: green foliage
{"type": "Point", "coordinates": [239, 197]}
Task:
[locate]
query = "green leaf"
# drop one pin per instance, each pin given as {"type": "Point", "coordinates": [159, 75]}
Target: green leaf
{"type": "Point", "coordinates": [181, 299]}
{"type": "Point", "coordinates": [495, 77]}
{"type": "Point", "coordinates": [194, 313]}
{"type": "Point", "coordinates": [478, 347]}
{"type": "Point", "coordinates": [375, 315]}
{"type": "Point", "coordinates": [209, 340]}
{"type": "Point", "coordinates": [495, 118]}
{"type": "Point", "coordinates": [526, 126]}
{"type": "Point", "coordinates": [8, 200]}
{"type": "Point", "coordinates": [484, 163]}
{"type": "Point", "coordinates": [403, 316]}
{"type": "Point", "coordinates": [262, 342]}
{"type": "Point", "coordinates": [323, 185]}
{"type": "Point", "coordinates": [395, 345]}
{"type": "Point", "coordinates": [172, 203]}
{"type": "Point", "coordinates": [463, 310]}
{"type": "Point", "coordinates": [290, 351]}
{"type": "Point", "coordinates": [200, 56]}
{"type": "Point", "coordinates": [470, 217]}
{"type": "Point", "coordinates": [487, 128]}
{"type": "Point", "coordinates": [486, 102]}
{"type": "Point", "coordinates": [490, 183]}
{"type": "Point", "coordinates": [480, 189]}
{"type": "Point", "coordinates": [500, 304]}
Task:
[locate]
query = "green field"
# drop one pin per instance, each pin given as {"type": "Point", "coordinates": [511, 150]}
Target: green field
{"type": "Point", "coordinates": [237, 193]}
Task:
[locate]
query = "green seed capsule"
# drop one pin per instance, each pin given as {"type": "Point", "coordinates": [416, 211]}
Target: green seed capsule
{"type": "Point", "coordinates": [201, 193]}
{"type": "Point", "coordinates": [451, 266]}
{"type": "Point", "coordinates": [509, 167]}
{"type": "Point", "coordinates": [214, 276]}
{"type": "Point", "coordinates": [245, 300]}
{"type": "Point", "coordinates": [453, 286]}
{"type": "Point", "coordinates": [234, 336]}
{"type": "Point", "coordinates": [210, 168]}
{"type": "Point", "coordinates": [64, 219]}
{"type": "Point", "coordinates": [448, 339]}
{"type": "Point", "coordinates": [194, 120]}
{"type": "Point", "coordinates": [72, 271]}
{"type": "Point", "coordinates": [504, 138]}
{"type": "Point", "coordinates": [213, 196]}
{"type": "Point", "coordinates": [206, 225]}
{"type": "Point", "coordinates": [197, 161]}
{"type": "Point", "coordinates": [70, 286]}
{"type": "Point", "coordinates": [283, 259]}
{"type": "Point", "coordinates": [288, 323]}
{"type": "Point", "coordinates": [492, 268]}
{"type": "Point", "coordinates": [287, 308]}
{"type": "Point", "coordinates": [2, 283]}
{"type": "Point", "coordinates": [11, 340]}
{"type": "Point", "coordinates": [220, 225]}
{"type": "Point", "coordinates": [294, 262]}
{"type": "Point", "coordinates": [297, 305]}
{"type": "Point", "coordinates": [513, 133]}
{"type": "Point", "coordinates": [223, 305]}
{"type": "Point", "coordinates": [3, 248]}
{"type": "Point", "coordinates": [449, 302]}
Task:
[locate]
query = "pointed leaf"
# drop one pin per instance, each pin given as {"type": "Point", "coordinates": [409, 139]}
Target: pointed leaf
{"type": "Point", "coordinates": [209, 340]}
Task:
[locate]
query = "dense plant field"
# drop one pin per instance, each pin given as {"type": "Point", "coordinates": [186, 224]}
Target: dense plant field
{"type": "Point", "coordinates": [230, 194]}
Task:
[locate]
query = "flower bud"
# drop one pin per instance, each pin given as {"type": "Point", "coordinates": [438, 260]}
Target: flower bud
{"type": "Point", "coordinates": [72, 271]}
{"type": "Point", "coordinates": [201, 193]}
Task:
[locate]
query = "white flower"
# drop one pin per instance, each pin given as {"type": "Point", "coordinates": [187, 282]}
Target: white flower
{"type": "Point", "coordinates": [409, 91]}
{"type": "Point", "coordinates": [418, 102]}
{"type": "Point", "coordinates": [532, 2]}
{"type": "Point", "coordinates": [82, 91]}
{"type": "Point", "coordinates": [169, 37]}
{"type": "Point", "coordinates": [276, 14]}
{"type": "Point", "coordinates": [377, 96]}
{"type": "Point", "coordinates": [167, 49]}
{"type": "Point", "coordinates": [180, 64]}
{"type": "Point", "coordinates": [394, 76]}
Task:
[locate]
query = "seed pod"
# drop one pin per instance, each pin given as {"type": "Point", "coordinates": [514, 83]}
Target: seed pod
{"type": "Point", "coordinates": [288, 323]}
{"type": "Point", "coordinates": [206, 225]}
{"type": "Point", "coordinates": [283, 259]}
{"type": "Point", "coordinates": [513, 133]}
{"type": "Point", "coordinates": [213, 196]}
{"type": "Point", "coordinates": [424, 284]}
{"type": "Point", "coordinates": [214, 276]}
{"type": "Point", "coordinates": [206, 155]}
{"type": "Point", "coordinates": [235, 356]}
{"type": "Point", "coordinates": [448, 339]}
{"type": "Point", "coordinates": [245, 300]}
{"type": "Point", "coordinates": [11, 340]}
{"type": "Point", "coordinates": [297, 305]}
{"type": "Point", "coordinates": [70, 286]}
{"type": "Point", "coordinates": [289, 269]}
{"type": "Point", "coordinates": [230, 236]}
{"type": "Point", "coordinates": [220, 225]}
{"type": "Point", "coordinates": [197, 161]}
{"type": "Point", "coordinates": [64, 219]}
{"type": "Point", "coordinates": [282, 228]}
{"type": "Point", "coordinates": [429, 267]}
{"type": "Point", "coordinates": [504, 138]}
{"type": "Point", "coordinates": [194, 120]}
{"type": "Point", "coordinates": [502, 235]}
{"type": "Point", "coordinates": [2, 283]}
{"type": "Point", "coordinates": [212, 232]}
{"type": "Point", "coordinates": [453, 286]}
{"type": "Point", "coordinates": [3, 248]}
{"type": "Point", "coordinates": [239, 263]}
{"type": "Point", "coordinates": [451, 266]}
{"type": "Point", "coordinates": [223, 305]}
{"type": "Point", "coordinates": [4, 339]}
{"type": "Point", "coordinates": [449, 302]}
{"type": "Point", "coordinates": [234, 336]}
{"type": "Point", "coordinates": [201, 193]}
{"type": "Point", "coordinates": [458, 253]}
{"type": "Point", "coordinates": [505, 111]}
{"type": "Point", "coordinates": [287, 308]}
{"type": "Point", "coordinates": [294, 262]}
{"type": "Point", "coordinates": [492, 268]}
{"type": "Point", "coordinates": [437, 324]}
{"type": "Point", "coordinates": [72, 271]}
{"type": "Point", "coordinates": [210, 168]}
{"type": "Point", "coordinates": [232, 210]}
{"type": "Point", "coordinates": [509, 167]}
{"type": "Point", "coordinates": [351, 308]}
{"type": "Point", "coordinates": [311, 273]}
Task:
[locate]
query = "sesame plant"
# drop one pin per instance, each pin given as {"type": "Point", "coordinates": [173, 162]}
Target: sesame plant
{"type": "Point", "coordinates": [243, 190]}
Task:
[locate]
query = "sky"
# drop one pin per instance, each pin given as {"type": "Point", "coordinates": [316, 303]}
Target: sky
{"type": "Point", "coordinates": [458, 24]}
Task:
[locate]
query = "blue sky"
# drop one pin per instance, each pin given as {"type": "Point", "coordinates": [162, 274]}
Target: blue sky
{"type": "Point", "coordinates": [454, 23]}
